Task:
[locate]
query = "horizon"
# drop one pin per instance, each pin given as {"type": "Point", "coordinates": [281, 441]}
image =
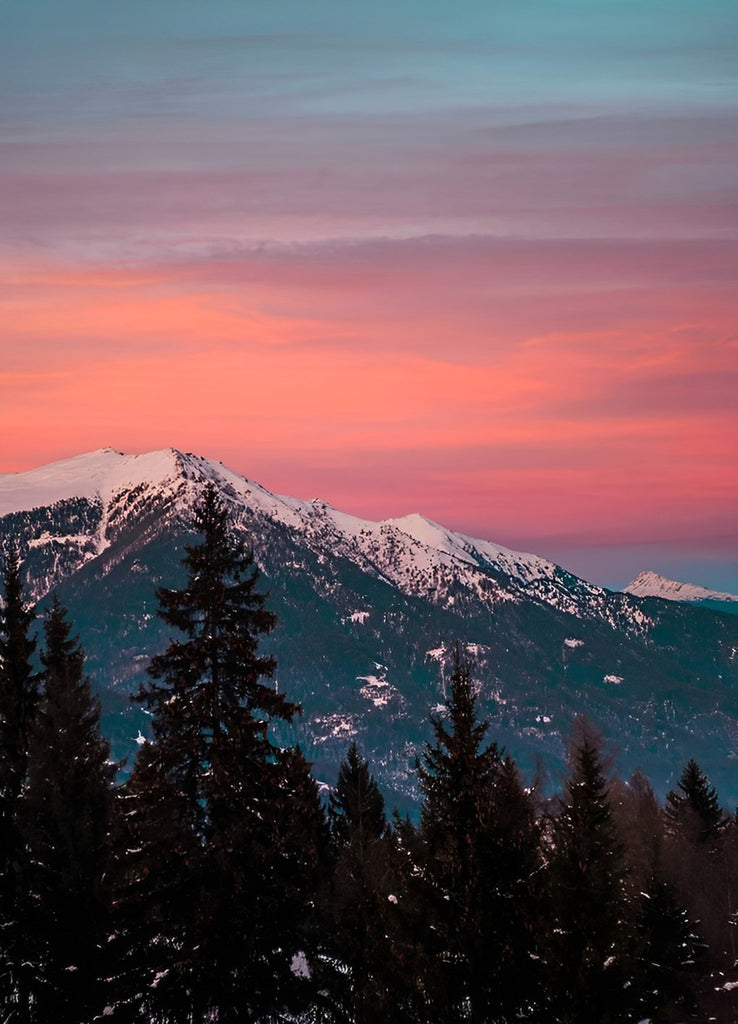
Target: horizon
{"type": "Point", "coordinates": [477, 263]}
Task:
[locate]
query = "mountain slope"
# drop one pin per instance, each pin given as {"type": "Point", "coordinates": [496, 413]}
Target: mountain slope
{"type": "Point", "coordinates": [366, 612]}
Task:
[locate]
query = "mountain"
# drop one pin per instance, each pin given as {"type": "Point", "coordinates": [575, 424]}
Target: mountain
{"type": "Point", "coordinates": [367, 612]}
{"type": "Point", "coordinates": [650, 584]}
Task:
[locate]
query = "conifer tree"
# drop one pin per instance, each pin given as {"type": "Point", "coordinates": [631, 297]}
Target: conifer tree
{"type": "Point", "coordinates": [18, 681]}
{"type": "Point", "coordinates": [513, 901]}
{"type": "Point", "coordinates": [700, 863]}
{"type": "Point", "coordinates": [692, 809]}
{"type": "Point", "coordinates": [479, 860]}
{"type": "Point", "coordinates": [213, 778]}
{"type": "Point", "coordinates": [356, 806]}
{"type": "Point", "coordinates": [18, 702]}
{"type": "Point", "coordinates": [66, 820]}
{"type": "Point", "coordinates": [665, 946]}
{"type": "Point", "coordinates": [667, 951]}
{"type": "Point", "coordinates": [589, 951]}
{"type": "Point", "coordinates": [296, 891]}
{"type": "Point", "coordinates": [362, 899]}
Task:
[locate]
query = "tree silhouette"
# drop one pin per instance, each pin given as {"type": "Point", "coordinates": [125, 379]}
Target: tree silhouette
{"type": "Point", "coordinates": [18, 703]}
{"type": "Point", "coordinates": [210, 788]}
{"type": "Point", "coordinates": [66, 820]}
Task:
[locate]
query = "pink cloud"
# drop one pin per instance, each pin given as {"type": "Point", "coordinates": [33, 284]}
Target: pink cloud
{"type": "Point", "coordinates": [578, 382]}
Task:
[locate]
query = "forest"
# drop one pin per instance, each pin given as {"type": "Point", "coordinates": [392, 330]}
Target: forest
{"type": "Point", "coordinates": [219, 882]}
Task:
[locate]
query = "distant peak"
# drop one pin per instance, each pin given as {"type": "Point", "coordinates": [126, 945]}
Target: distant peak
{"type": "Point", "coordinates": [652, 584]}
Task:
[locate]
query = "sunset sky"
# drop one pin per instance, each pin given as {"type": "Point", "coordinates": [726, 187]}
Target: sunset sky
{"type": "Point", "coordinates": [475, 259]}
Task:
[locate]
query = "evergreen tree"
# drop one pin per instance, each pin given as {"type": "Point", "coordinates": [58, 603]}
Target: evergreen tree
{"type": "Point", "coordinates": [666, 952]}
{"type": "Point", "coordinates": [692, 809]}
{"type": "Point", "coordinates": [211, 787]}
{"type": "Point", "coordinates": [18, 681]}
{"type": "Point", "coordinates": [700, 863]}
{"type": "Point", "coordinates": [356, 806]}
{"type": "Point", "coordinates": [301, 847]}
{"type": "Point", "coordinates": [18, 702]}
{"type": "Point", "coordinates": [589, 944]}
{"type": "Point", "coordinates": [479, 857]}
{"type": "Point", "coordinates": [665, 945]}
{"type": "Point", "coordinates": [157, 871]}
{"type": "Point", "coordinates": [513, 901]}
{"type": "Point", "coordinates": [361, 896]}
{"type": "Point", "coordinates": [66, 820]}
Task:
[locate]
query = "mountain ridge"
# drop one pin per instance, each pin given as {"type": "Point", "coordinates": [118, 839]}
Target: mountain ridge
{"type": "Point", "coordinates": [367, 613]}
{"type": "Point", "coordinates": [106, 472]}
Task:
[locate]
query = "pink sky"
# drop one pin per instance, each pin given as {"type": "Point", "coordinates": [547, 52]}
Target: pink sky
{"type": "Point", "coordinates": [512, 389]}
{"type": "Point", "coordinates": [482, 267]}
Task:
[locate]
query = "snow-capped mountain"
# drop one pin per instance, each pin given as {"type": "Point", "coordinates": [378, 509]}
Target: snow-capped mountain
{"type": "Point", "coordinates": [651, 584]}
{"type": "Point", "coordinates": [367, 612]}
{"type": "Point", "coordinates": [411, 553]}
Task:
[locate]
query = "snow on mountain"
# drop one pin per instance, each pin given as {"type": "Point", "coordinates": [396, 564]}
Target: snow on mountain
{"type": "Point", "coordinates": [411, 553]}
{"type": "Point", "coordinates": [651, 584]}
{"type": "Point", "coordinates": [368, 613]}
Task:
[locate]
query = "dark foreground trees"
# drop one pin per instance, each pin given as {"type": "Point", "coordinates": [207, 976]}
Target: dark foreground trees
{"type": "Point", "coordinates": [18, 701]}
{"type": "Point", "coordinates": [589, 973]}
{"type": "Point", "coordinates": [367, 981]}
{"type": "Point", "coordinates": [479, 863]}
{"type": "Point", "coordinates": [207, 902]}
{"type": "Point", "coordinates": [55, 804]}
{"type": "Point", "coordinates": [701, 865]}
{"type": "Point", "coordinates": [66, 822]}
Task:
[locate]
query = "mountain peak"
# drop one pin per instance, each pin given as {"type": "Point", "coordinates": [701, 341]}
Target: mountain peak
{"type": "Point", "coordinates": [652, 584]}
{"type": "Point", "coordinates": [99, 473]}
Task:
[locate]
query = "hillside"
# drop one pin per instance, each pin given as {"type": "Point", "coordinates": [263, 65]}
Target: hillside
{"type": "Point", "coordinates": [366, 611]}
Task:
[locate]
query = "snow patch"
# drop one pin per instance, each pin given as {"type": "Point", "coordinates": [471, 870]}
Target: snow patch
{"type": "Point", "coordinates": [359, 617]}
{"type": "Point", "coordinates": [300, 966]}
{"type": "Point", "coordinates": [338, 726]}
{"type": "Point", "coordinates": [571, 642]}
{"type": "Point", "coordinates": [616, 680]}
{"type": "Point", "coordinates": [376, 690]}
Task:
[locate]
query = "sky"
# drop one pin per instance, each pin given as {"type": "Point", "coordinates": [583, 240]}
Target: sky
{"type": "Point", "coordinates": [472, 259]}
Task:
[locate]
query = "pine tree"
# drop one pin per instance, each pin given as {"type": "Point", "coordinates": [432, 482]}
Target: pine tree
{"type": "Point", "coordinates": [211, 682]}
{"type": "Point", "coordinates": [66, 820]}
{"type": "Point", "coordinates": [211, 788]}
{"type": "Point", "coordinates": [18, 702]}
{"type": "Point", "coordinates": [456, 776]}
{"type": "Point", "coordinates": [362, 897]}
{"type": "Point", "coordinates": [665, 945]}
{"type": "Point", "coordinates": [701, 865]}
{"type": "Point", "coordinates": [18, 681]}
{"type": "Point", "coordinates": [156, 876]}
{"type": "Point", "coordinates": [356, 806]}
{"type": "Point", "coordinates": [479, 861]}
{"type": "Point", "coordinates": [666, 952]}
{"type": "Point", "coordinates": [589, 944]}
{"type": "Point", "coordinates": [512, 906]}
{"type": "Point", "coordinates": [692, 809]}
{"type": "Point", "coordinates": [296, 879]}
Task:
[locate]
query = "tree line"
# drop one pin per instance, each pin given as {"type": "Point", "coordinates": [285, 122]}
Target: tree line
{"type": "Point", "coordinates": [217, 884]}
